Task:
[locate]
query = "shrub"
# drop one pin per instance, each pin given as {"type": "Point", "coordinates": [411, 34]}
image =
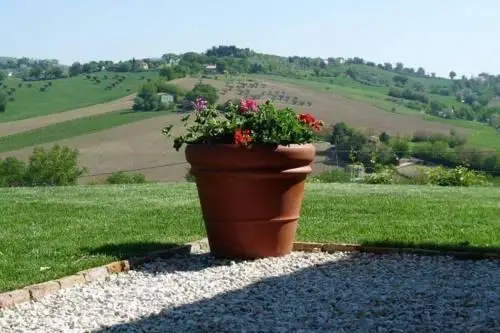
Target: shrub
{"type": "Point", "coordinates": [438, 152]}
{"type": "Point", "coordinates": [147, 99]}
{"type": "Point", "coordinates": [386, 155]}
{"type": "Point", "coordinates": [453, 140]}
{"type": "Point", "coordinates": [400, 80]}
{"type": "Point", "coordinates": [384, 137]}
{"type": "Point", "coordinates": [170, 88]}
{"type": "Point", "coordinates": [444, 91]}
{"type": "Point", "coordinates": [121, 177]}
{"type": "Point", "coordinates": [205, 91]}
{"type": "Point", "coordinates": [409, 94]}
{"type": "Point", "coordinates": [49, 83]}
{"type": "Point", "coordinates": [12, 172]}
{"type": "Point", "coordinates": [58, 166]}
{"type": "Point", "coordinates": [42, 89]}
{"type": "Point", "coordinates": [3, 101]}
{"type": "Point", "coordinates": [20, 85]}
{"type": "Point", "coordinates": [413, 105]}
{"type": "Point", "coordinates": [401, 147]}
{"type": "Point", "coordinates": [382, 176]}
{"type": "Point", "coordinates": [331, 176]}
{"type": "Point", "coordinates": [29, 85]}
{"type": "Point", "coordinates": [459, 176]}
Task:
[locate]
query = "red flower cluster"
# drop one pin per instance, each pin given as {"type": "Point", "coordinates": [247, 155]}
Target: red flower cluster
{"type": "Point", "coordinates": [309, 119]}
{"type": "Point", "coordinates": [242, 137]}
{"type": "Point", "coordinates": [248, 105]}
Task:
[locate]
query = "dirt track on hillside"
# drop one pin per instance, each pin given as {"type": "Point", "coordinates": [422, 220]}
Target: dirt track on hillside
{"type": "Point", "coordinates": [18, 126]}
{"type": "Point", "coordinates": [140, 146]}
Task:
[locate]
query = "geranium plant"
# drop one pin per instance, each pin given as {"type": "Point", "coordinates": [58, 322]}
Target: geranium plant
{"type": "Point", "coordinates": [246, 124]}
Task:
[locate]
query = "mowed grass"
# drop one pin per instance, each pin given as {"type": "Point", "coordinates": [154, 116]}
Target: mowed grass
{"type": "Point", "coordinates": [72, 128]}
{"type": "Point", "coordinates": [67, 94]}
{"type": "Point", "coordinates": [52, 232]}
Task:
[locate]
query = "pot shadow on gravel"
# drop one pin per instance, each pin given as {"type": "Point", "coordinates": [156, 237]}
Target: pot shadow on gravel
{"type": "Point", "coordinates": [191, 262]}
{"type": "Point", "coordinates": [347, 295]}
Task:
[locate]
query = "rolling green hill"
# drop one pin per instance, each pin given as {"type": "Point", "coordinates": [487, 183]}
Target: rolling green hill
{"type": "Point", "coordinates": [29, 99]}
{"type": "Point", "coordinates": [478, 134]}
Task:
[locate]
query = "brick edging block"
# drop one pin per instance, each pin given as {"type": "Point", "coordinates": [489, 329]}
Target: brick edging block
{"type": "Point", "coordinates": [332, 247]}
{"type": "Point", "coordinates": [101, 273]}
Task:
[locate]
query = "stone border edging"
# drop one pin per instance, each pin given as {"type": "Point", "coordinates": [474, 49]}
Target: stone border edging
{"type": "Point", "coordinates": [333, 247]}
{"type": "Point", "coordinates": [101, 273]}
{"type": "Point", "coordinates": [37, 291]}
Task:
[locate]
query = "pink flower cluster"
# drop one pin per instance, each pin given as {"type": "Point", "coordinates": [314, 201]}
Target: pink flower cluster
{"type": "Point", "coordinates": [200, 104]}
{"type": "Point", "coordinates": [248, 105]}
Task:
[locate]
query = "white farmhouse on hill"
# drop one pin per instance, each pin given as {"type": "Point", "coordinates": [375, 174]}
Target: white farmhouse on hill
{"type": "Point", "coordinates": [211, 68]}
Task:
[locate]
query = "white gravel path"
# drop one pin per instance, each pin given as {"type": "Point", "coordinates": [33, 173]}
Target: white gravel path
{"type": "Point", "coordinates": [302, 292]}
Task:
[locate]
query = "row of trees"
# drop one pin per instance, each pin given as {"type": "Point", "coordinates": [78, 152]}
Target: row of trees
{"type": "Point", "coordinates": [474, 93]}
{"type": "Point", "coordinates": [354, 146]}
{"type": "Point", "coordinates": [57, 166]}
{"type": "Point", "coordinates": [20, 64]}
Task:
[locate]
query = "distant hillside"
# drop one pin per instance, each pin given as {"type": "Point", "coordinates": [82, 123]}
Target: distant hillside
{"type": "Point", "coordinates": [403, 87]}
{"type": "Point", "coordinates": [27, 99]}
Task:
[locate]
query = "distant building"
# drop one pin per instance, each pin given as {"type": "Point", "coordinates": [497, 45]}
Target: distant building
{"type": "Point", "coordinates": [211, 69]}
{"type": "Point", "coordinates": [166, 98]}
{"type": "Point", "coordinates": [9, 74]}
{"type": "Point", "coordinates": [141, 65]}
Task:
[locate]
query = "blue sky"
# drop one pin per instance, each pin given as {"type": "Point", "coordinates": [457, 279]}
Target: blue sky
{"type": "Point", "coordinates": [439, 35]}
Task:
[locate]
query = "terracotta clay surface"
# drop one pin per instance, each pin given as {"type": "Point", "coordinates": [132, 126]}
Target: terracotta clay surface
{"type": "Point", "coordinates": [250, 197]}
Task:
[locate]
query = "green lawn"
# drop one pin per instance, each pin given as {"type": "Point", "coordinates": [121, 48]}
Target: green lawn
{"type": "Point", "coordinates": [67, 94]}
{"type": "Point", "coordinates": [74, 228]}
{"type": "Point", "coordinates": [72, 128]}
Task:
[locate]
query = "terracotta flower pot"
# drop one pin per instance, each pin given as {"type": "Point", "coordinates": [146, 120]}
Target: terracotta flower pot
{"type": "Point", "coordinates": [250, 198]}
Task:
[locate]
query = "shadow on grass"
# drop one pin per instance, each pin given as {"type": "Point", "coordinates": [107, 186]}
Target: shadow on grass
{"type": "Point", "coordinates": [459, 247]}
{"type": "Point", "coordinates": [130, 250]}
{"type": "Point", "coordinates": [341, 294]}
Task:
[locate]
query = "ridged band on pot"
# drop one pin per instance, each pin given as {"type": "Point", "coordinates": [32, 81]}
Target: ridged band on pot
{"type": "Point", "coordinates": [250, 197]}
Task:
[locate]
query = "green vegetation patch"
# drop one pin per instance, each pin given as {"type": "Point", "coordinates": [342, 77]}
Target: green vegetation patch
{"type": "Point", "coordinates": [72, 128]}
{"type": "Point", "coordinates": [39, 98]}
{"type": "Point", "coordinates": [64, 230]}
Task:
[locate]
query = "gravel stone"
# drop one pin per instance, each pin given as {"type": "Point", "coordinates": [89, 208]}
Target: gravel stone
{"type": "Point", "coordinates": [301, 292]}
